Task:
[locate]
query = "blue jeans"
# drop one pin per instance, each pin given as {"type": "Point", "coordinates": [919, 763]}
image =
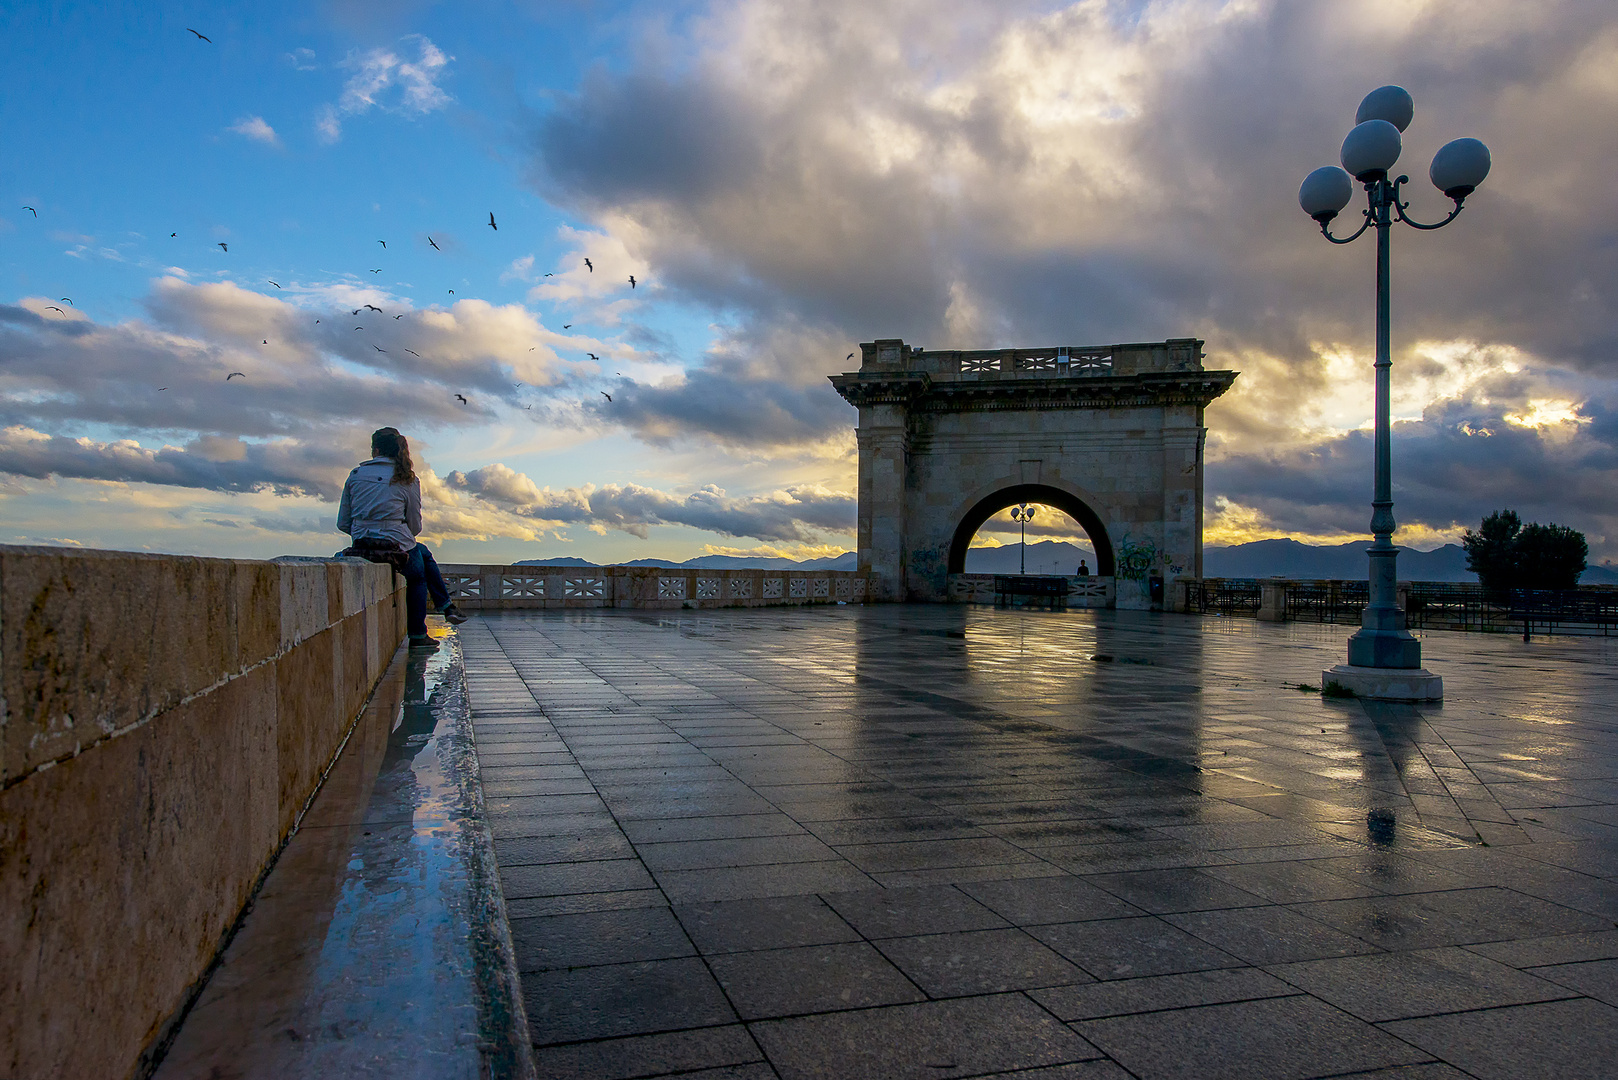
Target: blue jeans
{"type": "Point", "coordinates": [422, 577]}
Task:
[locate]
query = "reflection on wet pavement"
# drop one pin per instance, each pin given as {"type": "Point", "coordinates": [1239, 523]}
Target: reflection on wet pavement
{"type": "Point", "coordinates": [374, 947]}
{"type": "Point", "coordinates": [946, 841]}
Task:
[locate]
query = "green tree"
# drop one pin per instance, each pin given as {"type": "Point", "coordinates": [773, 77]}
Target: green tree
{"type": "Point", "coordinates": [1505, 554]}
{"type": "Point", "coordinates": [1550, 556]}
{"type": "Point", "coordinates": [1491, 552]}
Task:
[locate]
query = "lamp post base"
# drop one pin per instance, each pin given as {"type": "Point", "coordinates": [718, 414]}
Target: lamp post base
{"type": "Point", "coordinates": [1386, 684]}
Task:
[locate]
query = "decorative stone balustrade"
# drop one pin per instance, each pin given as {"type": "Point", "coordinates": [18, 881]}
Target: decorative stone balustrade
{"type": "Point", "coordinates": [476, 587]}
{"type": "Point", "coordinates": [1083, 592]}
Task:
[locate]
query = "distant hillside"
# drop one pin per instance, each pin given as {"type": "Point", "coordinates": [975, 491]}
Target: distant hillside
{"type": "Point", "coordinates": [1291, 559]}
{"type": "Point", "coordinates": [1261, 558]}
{"type": "Point", "coordinates": [846, 561]}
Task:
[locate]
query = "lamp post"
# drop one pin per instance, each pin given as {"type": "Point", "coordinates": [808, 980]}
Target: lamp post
{"type": "Point", "coordinates": [1384, 660]}
{"type": "Point", "coordinates": [1023, 515]}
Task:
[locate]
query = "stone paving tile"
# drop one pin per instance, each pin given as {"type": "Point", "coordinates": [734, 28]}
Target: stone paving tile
{"type": "Point", "coordinates": [880, 801]}
{"type": "Point", "coordinates": [1268, 935]}
{"type": "Point", "coordinates": [1593, 978]}
{"type": "Point", "coordinates": [1396, 986]}
{"type": "Point", "coordinates": [1125, 997]}
{"type": "Point", "coordinates": [622, 999]}
{"type": "Point", "coordinates": [769, 923]}
{"type": "Point", "coordinates": [979, 962]}
{"type": "Point", "coordinates": [1253, 1040]}
{"type": "Point", "coordinates": [962, 1037]}
{"type": "Point", "coordinates": [1558, 1040]}
{"type": "Point", "coordinates": [650, 1055]}
{"type": "Point", "coordinates": [811, 979]}
{"type": "Point", "coordinates": [1131, 948]}
{"type": "Point", "coordinates": [598, 937]}
{"type": "Point", "coordinates": [900, 912]}
{"type": "Point", "coordinates": [1043, 899]}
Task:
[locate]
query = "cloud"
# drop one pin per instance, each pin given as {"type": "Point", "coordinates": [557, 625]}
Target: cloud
{"type": "Point", "coordinates": [967, 173]}
{"type": "Point", "coordinates": [381, 79]}
{"type": "Point", "coordinates": [798, 515]}
{"type": "Point", "coordinates": [254, 127]}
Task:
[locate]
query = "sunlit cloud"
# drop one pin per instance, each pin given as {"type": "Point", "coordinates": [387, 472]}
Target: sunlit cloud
{"type": "Point", "coordinates": [382, 79]}
{"type": "Point", "coordinates": [254, 127]}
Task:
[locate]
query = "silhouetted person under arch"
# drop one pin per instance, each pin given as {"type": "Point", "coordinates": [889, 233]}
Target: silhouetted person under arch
{"type": "Point", "coordinates": [1084, 568]}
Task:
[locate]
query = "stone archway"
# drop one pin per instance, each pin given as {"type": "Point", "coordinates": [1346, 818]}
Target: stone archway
{"type": "Point", "coordinates": [1069, 504]}
{"type": "Point", "coordinates": [1112, 435]}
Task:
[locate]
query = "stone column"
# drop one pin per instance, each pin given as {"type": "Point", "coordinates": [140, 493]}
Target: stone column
{"type": "Point", "coordinates": [883, 447]}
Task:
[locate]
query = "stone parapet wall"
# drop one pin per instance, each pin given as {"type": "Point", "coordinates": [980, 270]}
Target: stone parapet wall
{"type": "Point", "coordinates": [163, 722]}
{"type": "Point", "coordinates": [483, 588]}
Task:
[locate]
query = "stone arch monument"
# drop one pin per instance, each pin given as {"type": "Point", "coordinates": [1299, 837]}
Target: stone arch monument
{"type": "Point", "coordinates": [1111, 435]}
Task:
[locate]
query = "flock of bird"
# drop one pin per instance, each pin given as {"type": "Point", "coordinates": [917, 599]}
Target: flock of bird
{"type": "Point", "coordinates": [225, 247]}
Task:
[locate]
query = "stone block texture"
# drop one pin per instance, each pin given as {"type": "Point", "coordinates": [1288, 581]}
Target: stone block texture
{"type": "Point", "coordinates": [165, 720]}
{"type": "Point", "coordinates": [1111, 434]}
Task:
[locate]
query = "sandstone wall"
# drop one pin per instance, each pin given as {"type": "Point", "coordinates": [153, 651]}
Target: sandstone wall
{"type": "Point", "coordinates": [163, 722]}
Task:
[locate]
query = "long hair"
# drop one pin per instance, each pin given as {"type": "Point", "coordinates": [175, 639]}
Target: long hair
{"type": "Point", "coordinates": [387, 442]}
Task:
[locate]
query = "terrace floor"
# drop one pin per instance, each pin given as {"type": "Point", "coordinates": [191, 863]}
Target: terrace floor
{"type": "Point", "coordinates": [942, 841]}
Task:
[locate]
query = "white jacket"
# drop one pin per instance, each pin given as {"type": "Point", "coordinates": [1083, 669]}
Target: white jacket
{"type": "Point", "coordinates": [374, 506]}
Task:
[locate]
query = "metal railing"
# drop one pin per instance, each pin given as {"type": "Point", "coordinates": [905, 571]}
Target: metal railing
{"type": "Point", "coordinates": [1326, 601]}
{"type": "Point", "coordinates": [1224, 596]}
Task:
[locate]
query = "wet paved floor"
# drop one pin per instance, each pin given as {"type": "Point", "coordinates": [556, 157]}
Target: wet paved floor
{"type": "Point", "coordinates": [946, 842]}
{"type": "Point", "coordinates": [375, 945]}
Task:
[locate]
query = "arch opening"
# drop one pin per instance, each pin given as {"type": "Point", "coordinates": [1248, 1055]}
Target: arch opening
{"type": "Point", "coordinates": [1070, 505]}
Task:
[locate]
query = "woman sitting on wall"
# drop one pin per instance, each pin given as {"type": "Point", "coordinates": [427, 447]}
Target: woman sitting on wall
{"type": "Point", "coordinates": [381, 511]}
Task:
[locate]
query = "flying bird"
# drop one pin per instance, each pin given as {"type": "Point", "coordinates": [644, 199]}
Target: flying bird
{"type": "Point", "coordinates": [384, 244]}
{"type": "Point", "coordinates": [356, 311]}
{"type": "Point", "coordinates": [233, 374]}
{"type": "Point", "coordinates": [67, 299]}
{"type": "Point", "coordinates": [414, 353]}
{"type": "Point", "coordinates": [373, 307]}
{"type": "Point", "coordinates": [53, 307]}
{"type": "Point", "coordinates": [567, 326]}
{"type": "Point", "coordinates": [201, 36]}
{"type": "Point", "coordinates": [631, 281]}
{"type": "Point", "coordinates": [222, 246]}
{"type": "Point", "coordinates": [399, 316]}
{"type": "Point", "coordinates": [174, 234]}
{"type": "Point", "coordinates": [452, 292]}
{"type": "Point", "coordinates": [550, 275]}
{"type": "Point", "coordinates": [277, 284]}
{"type": "Point", "coordinates": [462, 397]}
{"type": "Point", "coordinates": [435, 246]}
{"type": "Point", "coordinates": [847, 358]}
{"type": "Point", "coordinates": [604, 394]}
{"type": "Point", "coordinates": [266, 341]}
{"type": "Point", "coordinates": [379, 348]}
{"type": "Point", "coordinates": [359, 328]}
{"type": "Point", "coordinates": [376, 271]}
{"type": "Point", "coordinates": [592, 356]}
{"type": "Point", "coordinates": [31, 210]}
{"type": "Point", "coordinates": [162, 388]}
{"type": "Point", "coordinates": [590, 266]}
{"type": "Point", "coordinates": [496, 228]}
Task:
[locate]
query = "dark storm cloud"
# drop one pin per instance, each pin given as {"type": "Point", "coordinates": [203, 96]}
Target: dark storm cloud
{"type": "Point", "coordinates": [1097, 173]}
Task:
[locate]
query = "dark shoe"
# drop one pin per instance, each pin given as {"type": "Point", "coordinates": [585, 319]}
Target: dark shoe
{"type": "Point", "coordinates": [424, 643]}
{"type": "Point", "coordinates": [453, 615]}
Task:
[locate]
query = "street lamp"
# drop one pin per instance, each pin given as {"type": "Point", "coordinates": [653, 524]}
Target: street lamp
{"type": "Point", "coordinates": [1384, 660]}
{"type": "Point", "coordinates": [1023, 515]}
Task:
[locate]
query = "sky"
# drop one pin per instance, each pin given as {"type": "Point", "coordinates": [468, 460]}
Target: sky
{"type": "Point", "coordinates": [305, 199]}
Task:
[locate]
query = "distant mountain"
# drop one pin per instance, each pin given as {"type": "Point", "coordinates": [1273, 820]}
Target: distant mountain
{"type": "Point", "coordinates": [848, 560]}
{"type": "Point", "coordinates": [1291, 559]}
{"type": "Point", "coordinates": [1261, 558]}
{"type": "Point", "coordinates": [1045, 557]}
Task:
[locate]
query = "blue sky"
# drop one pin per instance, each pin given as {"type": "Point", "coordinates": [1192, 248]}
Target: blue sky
{"type": "Point", "coordinates": [784, 181]}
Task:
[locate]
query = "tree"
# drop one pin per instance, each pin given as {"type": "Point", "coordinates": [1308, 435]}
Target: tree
{"type": "Point", "coordinates": [1505, 554]}
{"type": "Point", "coordinates": [1551, 556]}
{"type": "Point", "coordinates": [1491, 551]}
